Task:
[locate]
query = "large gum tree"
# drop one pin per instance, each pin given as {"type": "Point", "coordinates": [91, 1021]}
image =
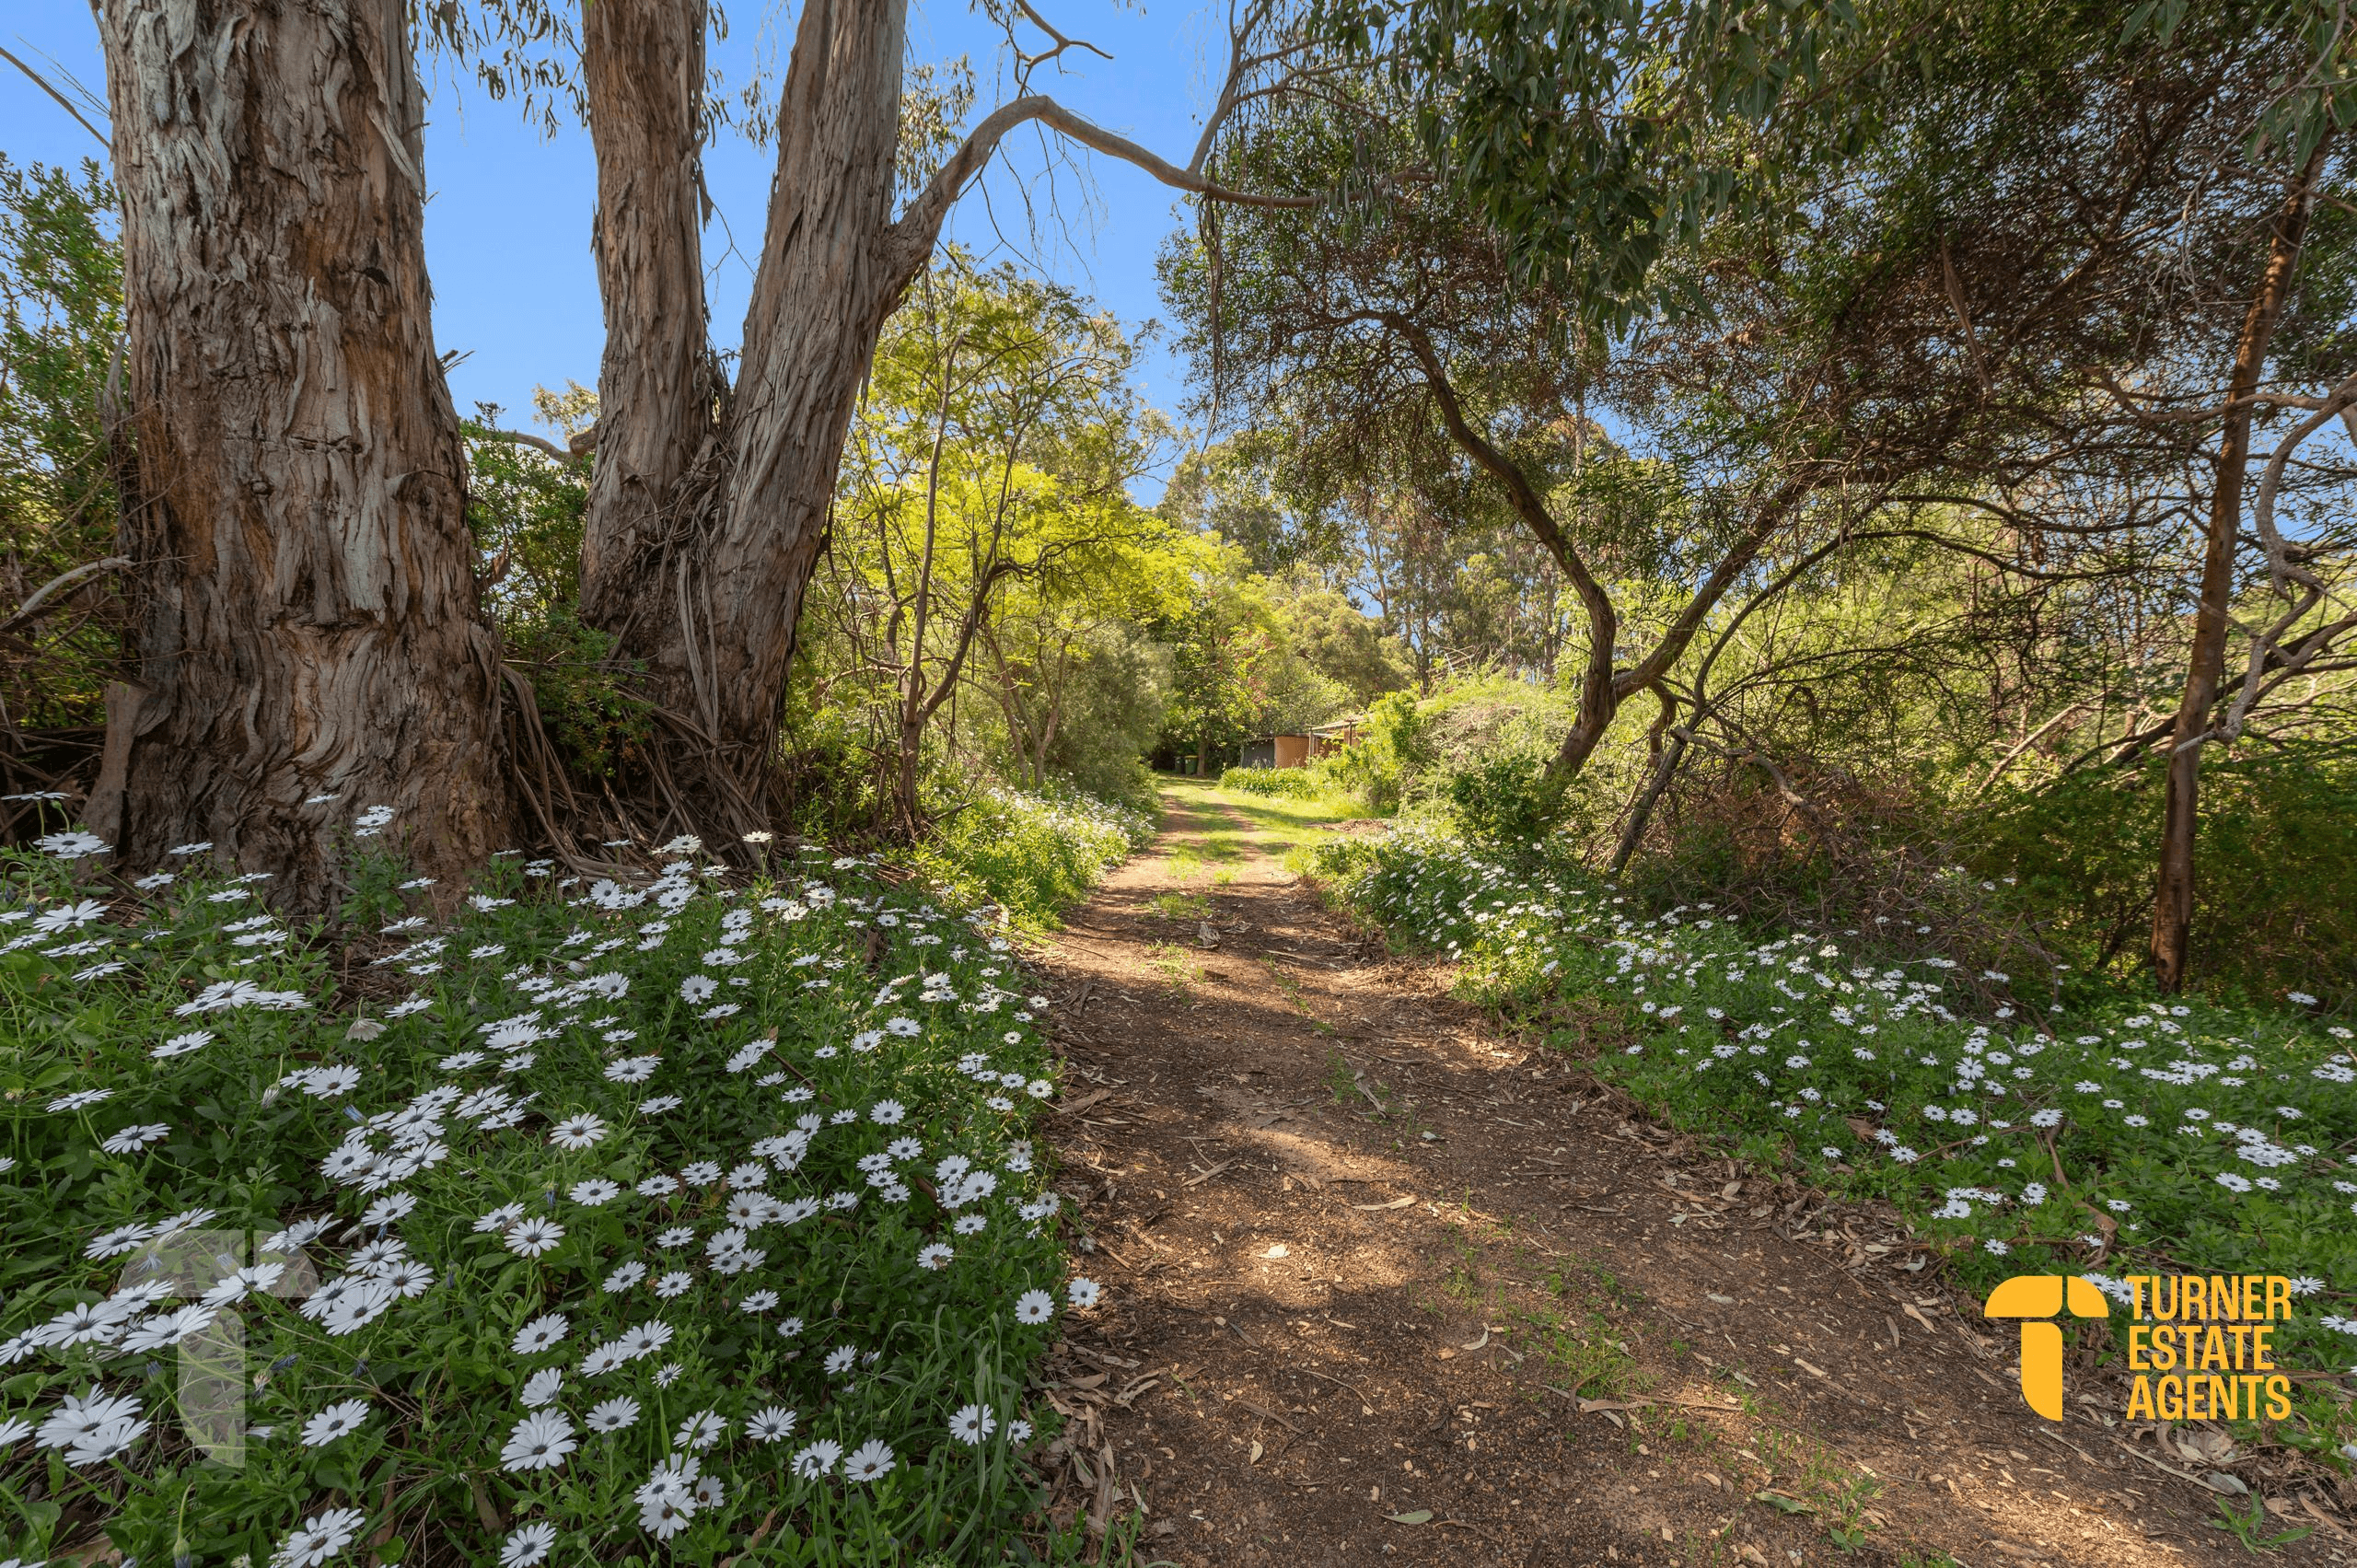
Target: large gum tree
{"type": "Point", "coordinates": [711, 501]}
{"type": "Point", "coordinates": [305, 620]}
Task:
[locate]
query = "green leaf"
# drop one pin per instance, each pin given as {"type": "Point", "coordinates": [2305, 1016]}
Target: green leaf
{"type": "Point", "coordinates": [1413, 1517]}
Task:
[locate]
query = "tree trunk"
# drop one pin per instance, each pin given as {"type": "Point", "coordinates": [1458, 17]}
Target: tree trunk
{"type": "Point", "coordinates": [306, 613]}
{"type": "Point", "coordinates": [829, 276]}
{"type": "Point", "coordinates": [2205, 662]}
{"type": "Point", "coordinates": [715, 629]}
{"type": "Point", "coordinates": [1670, 749]}
{"type": "Point", "coordinates": [700, 565]}
{"type": "Point", "coordinates": [658, 389]}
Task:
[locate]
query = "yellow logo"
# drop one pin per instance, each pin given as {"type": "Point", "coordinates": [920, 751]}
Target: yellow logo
{"type": "Point", "coordinates": [2200, 1346]}
{"type": "Point", "coordinates": [2034, 1297]}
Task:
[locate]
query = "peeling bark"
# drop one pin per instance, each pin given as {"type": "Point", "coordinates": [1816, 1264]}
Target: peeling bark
{"type": "Point", "coordinates": [306, 614]}
{"type": "Point", "coordinates": [701, 561]}
{"type": "Point", "coordinates": [831, 270]}
{"type": "Point", "coordinates": [658, 389]}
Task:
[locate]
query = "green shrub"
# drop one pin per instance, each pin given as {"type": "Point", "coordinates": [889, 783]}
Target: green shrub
{"type": "Point", "coordinates": [1500, 803]}
{"type": "Point", "coordinates": [60, 318]}
{"type": "Point", "coordinates": [1297, 782]}
{"type": "Point", "coordinates": [1034, 855]}
{"type": "Point", "coordinates": [2275, 870]}
{"type": "Point", "coordinates": [582, 695]}
{"type": "Point", "coordinates": [1391, 753]}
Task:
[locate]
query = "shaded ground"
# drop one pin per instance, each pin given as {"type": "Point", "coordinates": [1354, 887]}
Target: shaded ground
{"type": "Point", "coordinates": [1385, 1287]}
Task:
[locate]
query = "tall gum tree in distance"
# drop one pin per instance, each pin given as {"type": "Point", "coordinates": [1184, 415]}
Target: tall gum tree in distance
{"type": "Point", "coordinates": [305, 617]}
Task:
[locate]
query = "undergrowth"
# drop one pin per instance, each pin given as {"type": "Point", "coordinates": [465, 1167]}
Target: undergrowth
{"type": "Point", "coordinates": [697, 1218]}
{"type": "Point", "coordinates": [2118, 1136]}
{"type": "Point", "coordinates": [1033, 856]}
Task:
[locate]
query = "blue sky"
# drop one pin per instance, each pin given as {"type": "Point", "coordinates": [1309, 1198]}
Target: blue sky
{"type": "Point", "coordinates": [507, 229]}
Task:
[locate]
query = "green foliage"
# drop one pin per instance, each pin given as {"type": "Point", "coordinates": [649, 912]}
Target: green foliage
{"type": "Point", "coordinates": [1501, 803]}
{"type": "Point", "coordinates": [2275, 894]}
{"type": "Point", "coordinates": [61, 317]}
{"type": "Point", "coordinates": [2252, 1529]}
{"type": "Point", "coordinates": [581, 690]}
{"type": "Point", "coordinates": [1112, 713]}
{"type": "Point", "coordinates": [1035, 857]}
{"type": "Point", "coordinates": [2121, 1134]}
{"type": "Point", "coordinates": [1297, 784]}
{"type": "Point", "coordinates": [527, 512]}
{"type": "Point", "coordinates": [1224, 656]}
{"type": "Point", "coordinates": [1589, 137]}
{"type": "Point", "coordinates": [1343, 646]}
{"type": "Point", "coordinates": [989, 579]}
{"type": "Point", "coordinates": [1390, 755]}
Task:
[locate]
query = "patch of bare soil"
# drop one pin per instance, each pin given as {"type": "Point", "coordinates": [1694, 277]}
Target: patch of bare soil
{"type": "Point", "coordinates": [1386, 1287]}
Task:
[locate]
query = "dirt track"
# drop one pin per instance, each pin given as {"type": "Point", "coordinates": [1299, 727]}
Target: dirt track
{"type": "Point", "coordinates": [1351, 1236]}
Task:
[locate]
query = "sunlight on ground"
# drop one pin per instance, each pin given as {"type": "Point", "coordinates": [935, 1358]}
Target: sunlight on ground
{"type": "Point", "coordinates": [1282, 826]}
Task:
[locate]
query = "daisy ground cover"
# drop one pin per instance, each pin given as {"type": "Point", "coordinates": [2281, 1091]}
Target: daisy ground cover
{"type": "Point", "coordinates": [689, 1219]}
{"type": "Point", "coordinates": [2116, 1135]}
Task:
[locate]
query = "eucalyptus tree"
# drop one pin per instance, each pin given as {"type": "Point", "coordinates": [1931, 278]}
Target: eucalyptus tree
{"type": "Point", "coordinates": [307, 639]}
{"type": "Point", "coordinates": [712, 500]}
{"type": "Point", "coordinates": [1977, 265]}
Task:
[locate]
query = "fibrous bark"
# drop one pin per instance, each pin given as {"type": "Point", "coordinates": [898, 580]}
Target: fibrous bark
{"type": "Point", "coordinates": [306, 613]}
{"type": "Point", "coordinates": [658, 390]}
{"type": "Point", "coordinates": [714, 627]}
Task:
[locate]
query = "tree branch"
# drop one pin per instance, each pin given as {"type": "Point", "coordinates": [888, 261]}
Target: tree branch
{"type": "Point", "coordinates": [579, 447]}
{"type": "Point", "coordinates": [63, 101]}
{"type": "Point", "coordinates": [2281, 569]}
{"type": "Point", "coordinates": [41, 595]}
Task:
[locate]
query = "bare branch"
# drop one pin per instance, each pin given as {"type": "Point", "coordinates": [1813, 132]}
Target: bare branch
{"type": "Point", "coordinates": [63, 101]}
{"type": "Point", "coordinates": [579, 447]}
{"type": "Point", "coordinates": [41, 595]}
{"type": "Point", "coordinates": [1025, 62]}
{"type": "Point", "coordinates": [2281, 569]}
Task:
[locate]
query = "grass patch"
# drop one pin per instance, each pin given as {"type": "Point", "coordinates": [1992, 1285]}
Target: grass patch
{"type": "Point", "coordinates": [1182, 906]}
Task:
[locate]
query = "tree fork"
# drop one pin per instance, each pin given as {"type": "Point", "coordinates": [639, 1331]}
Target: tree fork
{"type": "Point", "coordinates": [704, 588]}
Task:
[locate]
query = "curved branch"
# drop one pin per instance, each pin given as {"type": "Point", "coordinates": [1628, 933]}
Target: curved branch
{"type": "Point", "coordinates": [41, 595]}
{"type": "Point", "coordinates": [579, 447]}
{"type": "Point", "coordinates": [2281, 569]}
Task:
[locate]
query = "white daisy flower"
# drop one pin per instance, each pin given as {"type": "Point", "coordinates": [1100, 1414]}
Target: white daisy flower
{"type": "Point", "coordinates": [540, 1442]}
{"type": "Point", "coordinates": [872, 1460]}
{"type": "Point", "coordinates": [334, 1422]}
{"type": "Point", "coordinates": [612, 1415]}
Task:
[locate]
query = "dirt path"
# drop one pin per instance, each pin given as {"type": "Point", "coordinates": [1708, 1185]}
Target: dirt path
{"type": "Point", "coordinates": [1357, 1247]}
